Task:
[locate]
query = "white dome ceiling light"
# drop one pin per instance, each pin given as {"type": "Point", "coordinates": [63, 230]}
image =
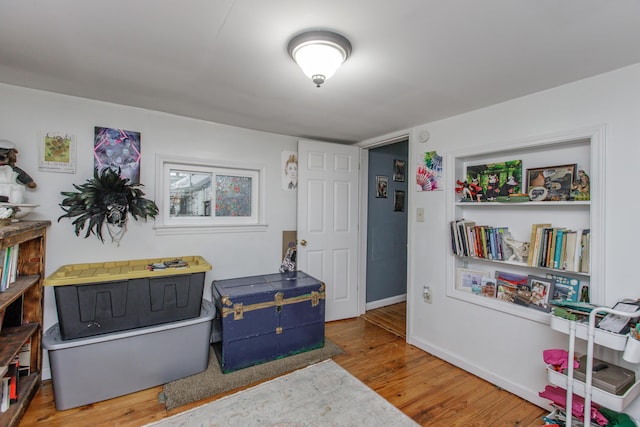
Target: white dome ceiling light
{"type": "Point", "coordinates": [319, 53]}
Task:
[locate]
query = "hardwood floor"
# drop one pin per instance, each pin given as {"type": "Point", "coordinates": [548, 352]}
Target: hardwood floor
{"type": "Point", "coordinates": [429, 390]}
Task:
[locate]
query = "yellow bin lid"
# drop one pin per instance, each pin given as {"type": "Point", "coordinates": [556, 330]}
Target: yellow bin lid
{"type": "Point", "coordinates": [78, 274]}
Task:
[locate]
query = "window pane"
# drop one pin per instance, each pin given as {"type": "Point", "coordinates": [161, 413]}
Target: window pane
{"type": "Point", "coordinates": [190, 193]}
{"type": "Point", "coordinates": [233, 195]}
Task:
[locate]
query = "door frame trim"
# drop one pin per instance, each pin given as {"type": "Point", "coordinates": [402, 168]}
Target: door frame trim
{"type": "Point", "coordinates": [392, 138]}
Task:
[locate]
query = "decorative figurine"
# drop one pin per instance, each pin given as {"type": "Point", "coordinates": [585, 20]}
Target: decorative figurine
{"type": "Point", "coordinates": [8, 157]}
{"type": "Point", "coordinates": [581, 189]}
{"type": "Point", "coordinates": [468, 190]}
{"type": "Point", "coordinates": [520, 249]}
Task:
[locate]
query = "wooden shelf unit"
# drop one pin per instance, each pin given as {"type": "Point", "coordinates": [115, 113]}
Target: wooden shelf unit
{"type": "Point", "coordinates": [31, 238]}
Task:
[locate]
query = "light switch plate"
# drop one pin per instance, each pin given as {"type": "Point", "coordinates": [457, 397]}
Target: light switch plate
{"type": "Point", "coordinates": [420, 214]}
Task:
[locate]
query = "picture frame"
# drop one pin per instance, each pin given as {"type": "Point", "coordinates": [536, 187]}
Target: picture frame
{"type": "Point", "coordinates": [564, 288]}
{"type": "Point", "coordinates": [399, 167]}
{"type": "Point", "coordinates": [500, 179]}
{"type": "Point", "coordinates": [471, 280]}
{"type": "Point", "coordinates": [58, 152]}
{"type": "Point", "coordinates": [551, 183]}
{"type": "Point", "coordinates": [398, 201]}
{"type": "Point", "coordinates": [118, 149]}
{"type": "Point", "coordinates": [540, 288]}
{"type": "Point", "coordinates": [508, 285]}
{"type": "Point", "coordinates": [382, 186]}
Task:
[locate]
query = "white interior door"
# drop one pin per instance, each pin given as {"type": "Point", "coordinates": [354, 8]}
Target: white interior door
{"type": "Point", "coordinates": [328, 195]}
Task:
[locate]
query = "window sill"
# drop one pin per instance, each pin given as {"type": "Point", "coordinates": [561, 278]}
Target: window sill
{"type": "Point", "coordinates": [169, 230]}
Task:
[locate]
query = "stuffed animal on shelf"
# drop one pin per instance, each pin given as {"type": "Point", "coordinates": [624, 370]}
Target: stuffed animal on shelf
{"type": "Point", "coordinates": [8, 157]}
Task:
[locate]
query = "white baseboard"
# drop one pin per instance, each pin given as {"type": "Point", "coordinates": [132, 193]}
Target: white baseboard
{"type": "Point", "coordinates": [385, 302]}
{"type": "Point", "coordinates": [504, 383]}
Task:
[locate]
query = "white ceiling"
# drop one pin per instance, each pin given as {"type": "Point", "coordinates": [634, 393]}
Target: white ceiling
{"type": "Point", "coordinates": [413, 61]}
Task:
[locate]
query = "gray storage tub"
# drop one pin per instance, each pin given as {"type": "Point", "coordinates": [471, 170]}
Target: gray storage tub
{"type": "Point", "coordinates": [88, 370]}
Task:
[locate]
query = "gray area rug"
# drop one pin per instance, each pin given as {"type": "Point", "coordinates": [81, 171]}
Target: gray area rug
{"type": "Point", "coordinates": [320, 395]}
{"type": "Point", "coordinates": [212, 381]}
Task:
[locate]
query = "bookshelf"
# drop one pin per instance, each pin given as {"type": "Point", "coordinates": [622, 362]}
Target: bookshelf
{"type": "Point", "coordinates": [24, 296]}
{"type": "Point", "coordinates": [585, 148]}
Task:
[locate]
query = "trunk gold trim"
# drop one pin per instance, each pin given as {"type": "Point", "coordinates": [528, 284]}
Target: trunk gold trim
{"type": "Point", "coordinates": [238, 309]}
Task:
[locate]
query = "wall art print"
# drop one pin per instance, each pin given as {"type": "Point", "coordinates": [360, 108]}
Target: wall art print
{"type": "Point", "coordinates": [429, 172]}
{"type": "Point", "coordinates": [118, 149]}
{"type": "Point", "coordinates": [496, 179]}
{"type": "Point", "coordinates": [289, 170]}
{"type": "Point", "coordinates": [58, 152]}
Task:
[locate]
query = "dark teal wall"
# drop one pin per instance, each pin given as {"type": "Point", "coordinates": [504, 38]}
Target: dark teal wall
{"type": "Point", "coordinates": [386, 228]}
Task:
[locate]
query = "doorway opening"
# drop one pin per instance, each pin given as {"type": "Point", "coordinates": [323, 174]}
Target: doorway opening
{"type": "Point", "coordinates": [387, 219]}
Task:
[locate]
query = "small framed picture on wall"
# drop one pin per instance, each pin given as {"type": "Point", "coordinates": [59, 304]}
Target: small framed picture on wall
{"type": "Point", "coordinates": [398, 201]}
{"type": "Point", "coordinates": [399, 170]}
{"type": "Point", "coordinates": [382, 185]}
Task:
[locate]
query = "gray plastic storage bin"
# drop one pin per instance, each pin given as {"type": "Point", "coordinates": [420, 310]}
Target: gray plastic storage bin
{"type": "Point", "coordinates": [88, 370]}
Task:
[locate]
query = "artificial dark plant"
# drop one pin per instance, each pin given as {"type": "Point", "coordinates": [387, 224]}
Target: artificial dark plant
{"type": "Point", "coordinates": [106, 198]}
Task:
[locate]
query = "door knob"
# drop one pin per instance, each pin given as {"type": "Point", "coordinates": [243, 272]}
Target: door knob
{"type": "Point", "coordinates": [303, 242]}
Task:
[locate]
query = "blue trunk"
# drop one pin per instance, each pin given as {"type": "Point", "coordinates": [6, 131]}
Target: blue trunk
{"type": "Point", "coordinates": [268, 317]}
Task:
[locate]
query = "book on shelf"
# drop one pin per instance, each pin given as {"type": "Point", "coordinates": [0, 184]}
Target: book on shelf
{"type": "Point", "coordinates": [534, 242]}
{"type": "Point", "coordinates": [559, 248]}
{"type": "Point", "coordinates": [5, 394]}
{"type": "Point", "coordinates": [563, 252]}
{"type": "Point", "coordinates": [571, 239]}
{"type": "Point", "coordinates": [557, 255]}
{"type": "Point", "coordinates": [478, 241]}
{"type": "Point", "coordinates": [12, 373]}
{"type": "Point", "coordinates": [585, 243]}
{"type": "Point", "coordinates": [9, 257]}
{"type": "Point", "coordinates": [13, 263]}
{"type": "Point", "coordinates": [535, 245]}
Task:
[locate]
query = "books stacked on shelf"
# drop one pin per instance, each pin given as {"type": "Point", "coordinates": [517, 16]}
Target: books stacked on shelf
{"type": "Point", "coordinates": [479, 241]}
{"type": "Point", "coordinates": [8, 266]}
{"type": "Point", "coordinates": [11, 375]}
{"type": "Point", "coordinates": [559, 248]}
{"type": "Point", "coordinates": [9, 390]}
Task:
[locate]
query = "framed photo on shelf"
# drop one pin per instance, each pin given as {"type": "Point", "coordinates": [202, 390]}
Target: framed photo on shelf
{"type": "Point", "coordinates": [399, 170]}
{"type": "Point", "coordinates": [564, 288]}
{"type": "Point", "coordinates": [540, 290]}
{"type": "Point", "coordinates": [508, 284]}
{"type": "Point", "coordinates": [382, 185]}
{"type": "Point", "coordinates": [471, 280]}
{"type": "Point", "coordinates": [551, 183]}
{"type": "Point", "coordinates": [398, 201]}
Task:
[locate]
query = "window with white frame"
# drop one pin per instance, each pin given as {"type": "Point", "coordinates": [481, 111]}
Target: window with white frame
{"type": "Point", "coordinates": [193, 194]}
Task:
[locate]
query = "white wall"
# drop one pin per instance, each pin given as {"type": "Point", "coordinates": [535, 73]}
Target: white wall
{"type": "Point", "coordinates": [505, 349]}
{"type": "Point", "coordinates": [24, 113]}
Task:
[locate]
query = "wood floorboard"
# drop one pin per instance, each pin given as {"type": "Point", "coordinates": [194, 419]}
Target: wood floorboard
{"type": "Point", "coordinates": [429, 390]}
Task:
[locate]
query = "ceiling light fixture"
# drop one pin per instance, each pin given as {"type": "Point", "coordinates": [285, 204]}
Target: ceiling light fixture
{"type": "Point", "coordinates": [319, 53]}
